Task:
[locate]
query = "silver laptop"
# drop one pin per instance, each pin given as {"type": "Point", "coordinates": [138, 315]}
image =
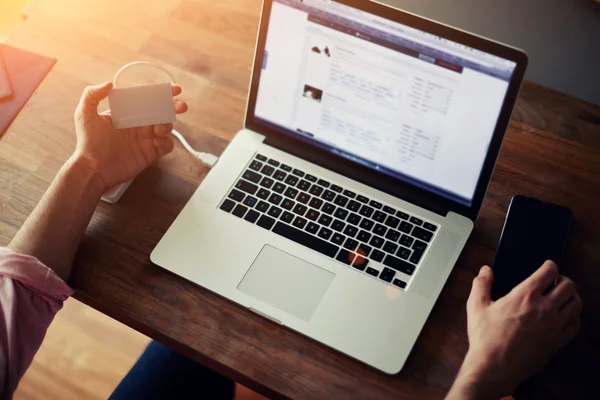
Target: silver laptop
{"type": "Point", "coordinates": [341, 208]}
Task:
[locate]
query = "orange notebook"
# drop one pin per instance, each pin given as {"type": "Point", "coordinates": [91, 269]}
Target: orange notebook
{"type": "Point", "coordinates": [23, 71]}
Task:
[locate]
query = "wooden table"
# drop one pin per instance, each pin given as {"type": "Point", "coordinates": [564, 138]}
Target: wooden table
{"type": "Point", "coordinates": [552, 151]}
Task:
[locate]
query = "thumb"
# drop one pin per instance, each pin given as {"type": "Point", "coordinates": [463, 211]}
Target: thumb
{"type": "Point", "coordinates": [92, 96]}
{"type": "Point", "coordinates": [481, 292]}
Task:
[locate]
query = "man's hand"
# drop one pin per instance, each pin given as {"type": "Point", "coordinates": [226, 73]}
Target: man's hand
{"type": "Point", "coordinates": [513, 338]}
{"type": "Point", "coordinates": [117, 156]}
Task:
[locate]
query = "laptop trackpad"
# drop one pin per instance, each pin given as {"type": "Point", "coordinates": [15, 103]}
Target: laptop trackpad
{"type": "Point", "coordinates": [286, 282]}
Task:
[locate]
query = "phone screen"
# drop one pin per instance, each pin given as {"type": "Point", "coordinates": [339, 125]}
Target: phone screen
{"type": "Point", "coordinates": [534, 231]}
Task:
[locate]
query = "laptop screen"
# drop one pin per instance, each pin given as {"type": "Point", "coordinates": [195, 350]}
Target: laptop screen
{"type": "Point", "coordinates": [401, 101]}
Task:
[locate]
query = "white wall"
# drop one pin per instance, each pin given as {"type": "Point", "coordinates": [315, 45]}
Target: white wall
{"type": "Point", "coordinates": [562, 37]}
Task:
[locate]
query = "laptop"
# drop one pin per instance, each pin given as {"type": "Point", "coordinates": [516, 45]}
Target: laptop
{"type": "Point", "coordinates": [341, 207]}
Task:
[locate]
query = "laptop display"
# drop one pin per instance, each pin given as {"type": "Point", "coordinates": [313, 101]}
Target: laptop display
{"type": "Point", "coordinates": [401, 101]}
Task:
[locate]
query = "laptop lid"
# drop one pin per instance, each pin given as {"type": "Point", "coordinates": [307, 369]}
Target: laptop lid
{"type": "Point", "coordinates": [403, 104]}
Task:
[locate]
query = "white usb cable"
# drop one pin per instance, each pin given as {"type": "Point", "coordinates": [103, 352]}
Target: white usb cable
{"type": "Point", "coordinates": [206, 158]}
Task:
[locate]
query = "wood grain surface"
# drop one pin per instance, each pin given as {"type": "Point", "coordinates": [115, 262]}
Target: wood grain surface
{"type": "Point", "coordinates": [552, 152]}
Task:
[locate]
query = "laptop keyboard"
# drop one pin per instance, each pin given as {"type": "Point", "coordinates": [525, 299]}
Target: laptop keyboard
{"type": "Point", "coordinates": [339, 223]}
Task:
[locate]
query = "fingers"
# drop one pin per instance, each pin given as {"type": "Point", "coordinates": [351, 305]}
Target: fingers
{"type": "Point", "coordinates": [92, 96]}
{"type": "Point", "coordinates": [164, 145]}
{"type": "Point", "coordinates": [572, 308]}
{"type": "Point", "coordinates": [541, 279]}
{"type": "Point", "coordinates": [162, 130]}
{"type": "Point", "coordinates": [180, 106]}
{"type": "Point", "coordinates": [570, 330]}
{"type": "Point", "coordinates": [562, 292]}
{"type": "Point", "coordinates": [176, 90]}
{"type": "Point", "coordinates": [480, 296]}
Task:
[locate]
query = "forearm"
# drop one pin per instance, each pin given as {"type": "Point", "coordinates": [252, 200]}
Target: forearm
{"type": "Point", "coordinates": [474, 383]}
{"type": "Point", "coordinates": [54, 229]}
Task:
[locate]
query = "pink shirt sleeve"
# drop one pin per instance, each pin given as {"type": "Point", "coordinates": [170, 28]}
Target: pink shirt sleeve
{"type": "Point", "coordinates": [30, 296]}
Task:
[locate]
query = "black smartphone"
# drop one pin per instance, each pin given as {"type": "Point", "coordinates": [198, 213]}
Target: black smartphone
{"type": "Point", "coordinates": [534, 231]}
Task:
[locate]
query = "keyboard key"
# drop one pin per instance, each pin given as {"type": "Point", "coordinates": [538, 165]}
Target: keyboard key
{"type": "Point", "coordinates": [246, 186]}
{"type": "Point", "coordinates": [354, 219]}
{"type": "Point", "coordinates": [399, 265]}
{"type": "Point", "coordinates": [236, 195]}
{"type": "Point", "coordinates": [364, 250]}
{"type": "Point", "coordinates": [312, 215]}
{"type": "Point", "coordinates": [416, 221]}
{"type": "Point", "coordinates": [403, 253]}
{"type": "Point", "coordinates": [390, 247]}
{"type": "Point", "coordinates": [399, 283]}
{"type": "Point", "coordinates": [279, 175]}
{"type": "Point", "coordinates": [402, 215]}
{"type": "Point", "coordinates": [274, 163]}
{"type": "Point", "coordinates": [345, 256]}
{"type": "Point", "coordinates": [274, 212]}
{"type": "Point", "coordinates": [291, 193]}
{"type": "Point", "coordinates": [311, 178]}
{"type": "Point", "coordinates": [250, 201]}
{"type": "Point", "coordinates": [336, 188]}
{"type": "Point", "coordinates": [389, 210]}
{"type": "Point", "coordinates": [268, 170]}
{"type": "Point", "coordinates": [366, 211]}
{"type": "Point", "coordinates": [418, 245]}
{"type": "Point", "coordinates": [350, 230]}
{"type": "Point", "coordinates": [372, 271]}
{"type": "Point", "coordinates": [227, 205]}
{"type": "Point", "coordinates": [379, 230]}
{"type": "Point", "coordinates": [338, 225]}
{"type": "Point", "coordinates": [299, 222]}
{"type": "Point", "coordinates": [377, 255]}
{"type": "Point", "coordinates": [306, 239]}
{"type": "Point", "coordinates": [325, 233]}
{"type": "Point", "coordinates": [430, 227]}
{"type": "Point", "coordinates": [252, 216]}
{"type": "Point", "coordinates": [367, 224]}
{"type": "Point", "coordinates": [278, 187]}
{"type": "Point", "coordinates": [312, 228]}
{"type": "Point", "coordinates": [351, 244]}
{"type": "Point", "coordinates": [303, 198]}
{"type": "Point", "coordinates": [255, 165]}
{"type": "Point", "coordinates": [323, 183]}
{"type": "Point", "coordinates": [304, 185]}
{"type": "Point", "coordinates": [261, 157]}
{"type": "Point", "coordinates": [379, 216]}
{"type": "Point", "coordinates": [353, 206]}
{"type": "Point", "coordinates": [376, 242]}
{"type": "Point", "coordinates": [422, 234]}
{"type": "Point", "coordinates": [275, 199]}
{"type": "Point", "coordinates": [300, 209]}
{"type": "Point", "coordinates": [265, 222]}
{"type": "Point", "coordinates": [328, 208]}
{"type": "Point", "coordinates": [375, 204]}
{"type": "Point", "coordinates": [299, 173]}
{"type": "Point", "coordinates": [263, 206]}
{"type": "Point", "coordinates": [263, 194]}
{"type": "Point", "coordinates": [338, 238]}
{"type": "Point", "coordinates": [251, 176]}
{"type": "Point", "coordinates": [315, 190]}
{"type": "Point", "coordinates": [364, 236]}
{"type": "Point", "coordinates": [341, 200]}
{"type": "Point", "coordinates": [341, 213]}
{"type": "Point", "coordinates": [392, 222]}
{"type": "Point", "coordinates": [287, 204]}
{"type": "Point", "coordinates": [286, 168]}
{"type": "Point", "coordinates": [416, 256]}
{"type": "Point", "coordinates": [328, 195]}
{"type": "Point", "coordinates": [316, 203]}
{"type": "Point", "coordinates": [392, 235]}
{"type": "Point", "coordinates": [287, 217]}
{"type": "Point", "coordinates": [406, 240]}
{"type": "Point", "coordinates": [267, 182]}
{"type": "Point", "coordinates": [360, 262]}
{"type": "Point", "coordinates": [349, 193]}
{"type": "Point", "coordinates": [325, 220]}
{"type": "Point", "coordinates": [405, 227]}
{"type": "Point", "coordinates": [291, 180]}
{"type": "Point", "coordinates": [387, 275]}
{"type": "Point", "coordinates": [362, 199]}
